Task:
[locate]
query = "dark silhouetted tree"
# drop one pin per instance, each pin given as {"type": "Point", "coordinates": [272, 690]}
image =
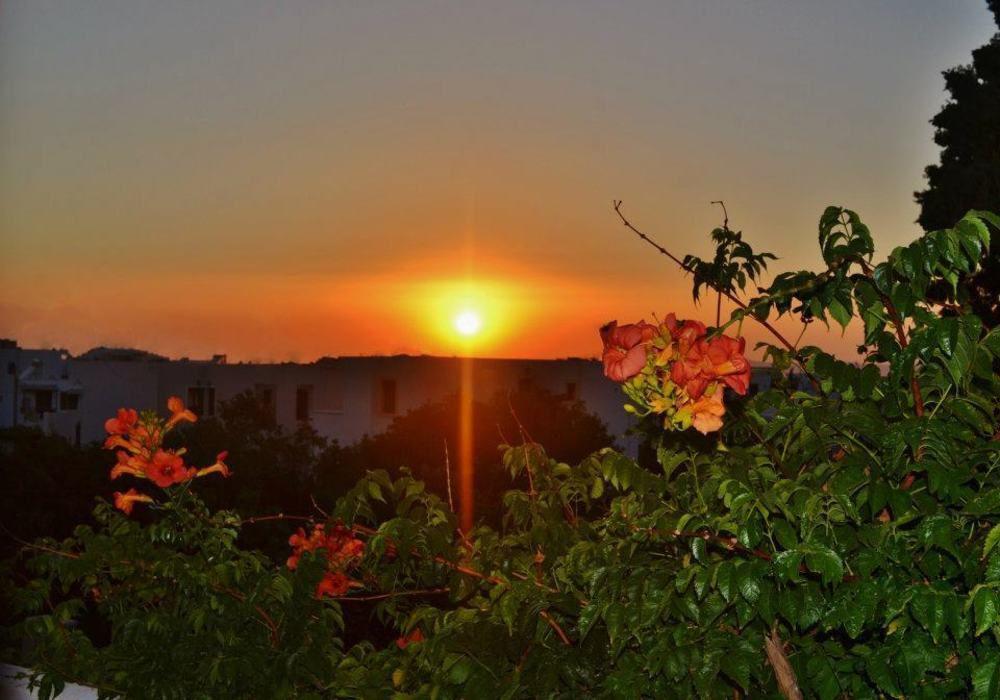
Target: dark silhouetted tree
{"type": "Point", "coordinates": [48, 485]}
{"type": "Point", "coordinates": [417, 441]}
{"type": "Point", "coordinates": [272, 467]}
{"type": "Point", "coordinates": [968, 176]}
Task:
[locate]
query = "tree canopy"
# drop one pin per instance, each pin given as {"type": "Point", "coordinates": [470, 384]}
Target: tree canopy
{"type": "Point", "coordinates": [968, 175]}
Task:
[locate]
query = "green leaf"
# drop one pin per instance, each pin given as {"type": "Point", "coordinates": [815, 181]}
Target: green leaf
{"type": "Point", "coordinates": [840, 313]}
{"type": "Point", "coordinates": [460, 671]}
{"type": "Point", "coordinates": [991, 541]}
{"type": "Point", "coordinates": [929, 610]}
{"type": "Point", "coordinates": [724, 579]}
{"type": "Point", "coordinates": [881, 673]}
{"type": "Point", "coordinates": [787, 564]}
{"type": "Point", "coordinates": [375, 491]}
{"type": "Point", "coordinates": [868, 379]}
{"type": "Point", "coordinates": [986, 679]}
{"type": "Point", "coordinates": [597, 489]}
{"type": "Point", "coordinates": [749, 584]}
{"type": "Point", "coordinates": [984, 605]}
{"type": "Point", "coordinates": [737, 667]}
{"type": "Point", "coordinates": [699, 548]}
{"type": "Point", "coordinates": [826, 563]}
{"type": "Point", "coordinates": [784, 534]}
{"type": "Point", "coordinates": [669, 460]}
{"type": "Point", "coordinates": [614, 618]}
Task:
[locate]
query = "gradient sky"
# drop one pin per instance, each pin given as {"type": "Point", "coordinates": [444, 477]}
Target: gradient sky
{"type": "Point", "coordinates": [296, 179]}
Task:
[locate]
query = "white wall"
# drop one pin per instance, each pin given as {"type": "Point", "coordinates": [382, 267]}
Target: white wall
{"type": "Point", "coordinates": [345, 402]}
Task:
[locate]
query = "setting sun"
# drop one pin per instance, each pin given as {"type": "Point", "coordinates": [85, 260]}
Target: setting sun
{"type": "Point", "coordinates": [468, 323]}
{"type": "Point", "coordinates": [469, 315]}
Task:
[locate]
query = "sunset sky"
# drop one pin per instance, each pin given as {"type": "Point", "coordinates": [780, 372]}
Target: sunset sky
{"type": "Point", "coordinates": [286, 180]}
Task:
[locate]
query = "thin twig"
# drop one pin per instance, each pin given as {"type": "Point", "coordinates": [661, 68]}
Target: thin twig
{"type": "Point", "coordinates": [544, 614]}
{"type": "Point", "coordinates": [279, 516]}
{"type": "Point", "coordinates": [525, 439]}
{"type": "Point", "coordinates": [729, 542]}
{"type": "Point", "coordinates": [725, 214]}
{"type": "Point", "coordinates": [520, 425]}
{"type": "Point", "coordinates": [318, 509]}
{"type": "Point", "coordinates": [447, 476]}
{"type": "Point", "coordinates": [524, 657]}
{"type": "Point", "coordinates": [40, 547]}
{"type": "Point", "coordinates": [459, 568]}
{"type": "Point", "coordinates": [391, 594]}
{"type": "Point", "coordinates": [268, 621]}
{"type": "Point", "coordinates": [732, 297]}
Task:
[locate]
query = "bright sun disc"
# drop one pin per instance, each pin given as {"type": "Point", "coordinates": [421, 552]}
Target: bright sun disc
{"type": "Point", "coordinates": [468, 323]}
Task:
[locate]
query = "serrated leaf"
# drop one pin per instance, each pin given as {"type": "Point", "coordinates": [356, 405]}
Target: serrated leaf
{"type": "Point", "coordinates": [614, 618]}
{"type": "Point", "coordinates": [984, 605]}
{"type": "Point", "coordinates": [749, 584]}
{"type": "Point", "coordinates": [991, 541]}
{"type": "Point", "coordinates": [986, 679]}
{"type": "Point", "coordinates": [826, 563]}
{"type": "Point", "coordinates": [737, 667]}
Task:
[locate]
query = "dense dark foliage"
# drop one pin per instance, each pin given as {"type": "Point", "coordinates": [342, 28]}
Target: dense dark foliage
{"type": "Point", "coordinates": [276, 467]}
{"type": "Point", "coordinates": [425, 441]}
{"type": "Point", "coordinates": [48, 485]}
{"type": "Point", "coordinates": [51, 484]}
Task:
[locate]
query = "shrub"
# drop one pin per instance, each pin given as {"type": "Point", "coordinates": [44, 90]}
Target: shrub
{"type": "Point", "coordinates": [837, 542]}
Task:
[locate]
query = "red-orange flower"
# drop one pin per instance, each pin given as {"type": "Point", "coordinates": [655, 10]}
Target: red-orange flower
{"type": "Point", "coordinates": [298, 539]}
{"type": "Point", "coordinates": [687, 381]}
{"type": "Point", "coordinates": [123, 423]}
{"type": "Point", "coordinates": [625, 348]}
{"type": "Point", "coordinates": [687, 373]}
{"type": "Point", "coordinates": [684, 333]}
{"type": "Point", "coordinates": [705, 361]}
{"type": "Point", "coordinates": [300, 542]}
{"type": "Point", "coordinates": [178, 412]}
{"type": "Point", "coordinates": [707, 412]}
{"type": "Point", "coordinates": [128, 464]}
{"type": "Point", "coordinates": [725, 356]}
{"type": "Point", "coordinates": [167, 469]}
{"type": "Point", "coordinates": [412, 638]}
{"type": "Point", "coordinates": [334, 583]}
{"type": "Point", "coordinates": [125, 501]}
{"type": "Point", "coordinates": [219, 467]}
{"type": "Point", "coordinates": [338, 546]}
{"type": "Point", "coordinates": [353, 549]}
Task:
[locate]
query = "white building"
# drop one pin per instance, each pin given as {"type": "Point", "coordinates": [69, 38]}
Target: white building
{"type": "Point", "coordinates": [342, 398]}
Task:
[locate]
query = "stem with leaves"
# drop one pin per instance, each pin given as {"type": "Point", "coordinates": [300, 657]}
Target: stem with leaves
{"type": "Point", "coordinates": [732, 297]}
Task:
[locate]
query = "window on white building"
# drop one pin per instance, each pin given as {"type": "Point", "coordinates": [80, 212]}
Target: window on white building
{"type": "Point", "coordinates": [303, 402]}
{"type": "Point", "coordinates": [265, 396]}
{"type": "Point", "coordinates": [387, 397]}
{"type": "Point", "coordinates": [44, 401]}
{"type": "Point", "coordinates": [201, 400]}
{"type": "Point", "coordinates": [68, 401]}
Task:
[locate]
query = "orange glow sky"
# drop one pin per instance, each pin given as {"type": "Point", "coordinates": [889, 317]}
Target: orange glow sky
{"type": "Point", "coordinates": [286, 181]}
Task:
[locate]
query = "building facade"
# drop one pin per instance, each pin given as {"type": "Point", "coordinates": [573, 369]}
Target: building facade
{"type": "Point", "coordinates": [342, 398]}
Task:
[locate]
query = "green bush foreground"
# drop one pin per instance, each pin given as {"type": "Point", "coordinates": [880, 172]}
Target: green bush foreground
{"type": "Point", "coordinates": [837, 542]}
